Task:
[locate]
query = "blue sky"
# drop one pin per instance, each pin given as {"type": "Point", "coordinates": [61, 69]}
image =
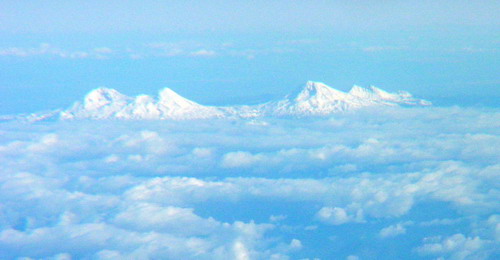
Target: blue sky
{"type": "Point", "coordinates": [226, 52]}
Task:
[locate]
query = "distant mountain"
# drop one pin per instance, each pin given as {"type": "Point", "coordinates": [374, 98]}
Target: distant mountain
{"type": "Point", "coordinates": [314, 99]}
{"type": "Point", "coordinates": [104, 103]}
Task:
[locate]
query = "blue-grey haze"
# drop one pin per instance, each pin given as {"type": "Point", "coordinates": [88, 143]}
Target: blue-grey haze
{"type": "Point", "coordinates": [221, 52]}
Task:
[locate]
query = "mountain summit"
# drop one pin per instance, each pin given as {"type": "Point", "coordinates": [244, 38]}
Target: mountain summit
{"type": "Point", "coordinates": [316, 98]}
{"type": "Point", "coordinates": [313, 99]}
{"type": "Point", "coordinates": [106, 103]}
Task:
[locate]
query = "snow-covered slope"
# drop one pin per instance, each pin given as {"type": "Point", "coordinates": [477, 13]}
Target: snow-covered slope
{"type": "Point", "coordinates": [106, 103]}
{"type": "Point", "coordinates": [314, 99]}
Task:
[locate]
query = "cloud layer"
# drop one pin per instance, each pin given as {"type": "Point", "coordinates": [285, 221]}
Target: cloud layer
{"type": "Point", "coordinates": [398, 183]}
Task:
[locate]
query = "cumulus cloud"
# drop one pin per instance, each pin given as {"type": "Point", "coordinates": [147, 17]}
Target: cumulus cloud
{"type": "Point", "coordinates": [239, 159]}
{"type": "Point", "coordinates": [456, 246]}
{"type": "Point", "coordinates": [392, 231]}
{"type": "Point", "coordinates": [150, 217]}
{"type": "Point", "coordinates": [235, 190]}
{"type": "Point", "coordinates": [338, 216]}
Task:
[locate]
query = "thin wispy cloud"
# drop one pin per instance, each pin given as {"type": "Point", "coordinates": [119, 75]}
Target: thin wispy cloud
{"type": "Point", "coordinates": [222, 49]}
{"type": "Point", "coordinates": [383, 48]}
{"type": "Point", "coordinates": [47, 50]}
{"type": "Point", "coordinates": [203, 52]}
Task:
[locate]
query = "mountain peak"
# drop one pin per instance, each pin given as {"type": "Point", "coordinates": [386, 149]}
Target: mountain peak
{"type": "Point", "coordinates": [168, 93]}
{"type": "Point", "coordinates": [103, 93]}
{"type": "Point", "coordinates": [315, 86]}
{"type": "Point", "coordinates": [103, 96]}
{"type": "Point", "coordinates": [169, 98]}
{"type": "Point", "coordinates": [318, 91]}
{"type": "Point", "coordinates": [313, 99]}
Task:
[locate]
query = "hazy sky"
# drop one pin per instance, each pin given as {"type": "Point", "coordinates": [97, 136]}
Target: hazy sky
{"type": "Point", "coordinates": [205, 17]}
{"type": "Point", "coordinates": [215, 52]}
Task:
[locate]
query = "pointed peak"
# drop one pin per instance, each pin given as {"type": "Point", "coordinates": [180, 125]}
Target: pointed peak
{"type": "Point", "coordinates": [320, 87]}
{"type": "Point", "coordinates": [103, 95]}
{"type": "Point", "coordinates": [315, 86]}
{"type": "Point", "coordinates": [316, 90]}
{"type": "Point", "coordinates": [310, 89]}
{"type": "Point", "coordinates": [311, 83]}
{"type": "Point", "coordinates": [166, 90]}
{"type": "Point", "coordinates": [168, 93]}
{"type": "Point", "coordinates": [168, 97]}
{"type": "Point", "coordinates": [104, 92]}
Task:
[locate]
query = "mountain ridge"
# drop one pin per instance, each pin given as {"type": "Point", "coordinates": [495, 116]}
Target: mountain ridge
{"type": "Point", "coordinates": [313, 99]}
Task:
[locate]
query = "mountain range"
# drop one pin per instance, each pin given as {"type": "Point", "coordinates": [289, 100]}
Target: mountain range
{"type": "Point", "coordinates": [313, 99]}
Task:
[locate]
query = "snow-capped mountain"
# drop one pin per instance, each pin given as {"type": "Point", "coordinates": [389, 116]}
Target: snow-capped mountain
{"type": "Point", "coordinates": [319, 99]}
{"type": "Point", "coordinates": [314, 99]}
{"type": "Point", "coordinates": [104, 103]}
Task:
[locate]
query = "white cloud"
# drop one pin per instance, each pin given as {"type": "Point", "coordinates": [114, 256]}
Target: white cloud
{"type": "Point", "coordinates": [383, 48]}
{"type": "Point", "coordinates": [277, 218]}
{"type": "Point", "coordinates": [392, 231]}
{"type": "Point", "coordinates": [186, 49]}
{"type": "Point", "coordinates": [239, 159]}
{"type": "Point", "coordinates": [338, 216]}
{"type": "Point", "coordinates": [438, 222]}
{"type": "Point", "coordinates": [174, 220]}
{"type": "Point", "coordinates": [456, 246]}
{"type": "Point", "coordinates": [240, 251]}
{"type": "Point", "coordinates": [112, 158]}
{"type": "Point", "coordinates": [203, 152]}
{"type": "Point", "coordinates": [295, 244]}
{"type": "Point", "coordinates": [198, 190]}
{"type": "Point", "coordinates": [103, 50]}
{"type": "Point", "coordinates": [203, 53]}
{"type": "Point", "coordinates": [45, 49]}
